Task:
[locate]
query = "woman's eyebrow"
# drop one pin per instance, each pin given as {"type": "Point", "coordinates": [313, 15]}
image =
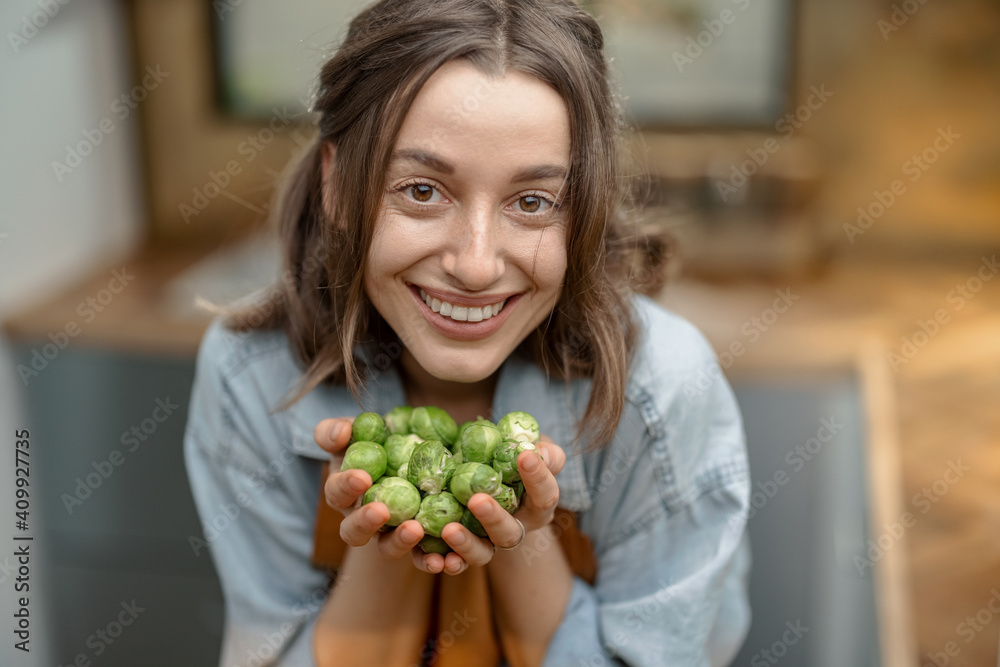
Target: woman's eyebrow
{"type": "Point", "coordinates": [533, 173]}
{"type": "Point", "coordinates": [424, 158]}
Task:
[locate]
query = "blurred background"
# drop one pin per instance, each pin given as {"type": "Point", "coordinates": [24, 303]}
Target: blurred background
{"type": "Point", "coordinates": [830, 172]}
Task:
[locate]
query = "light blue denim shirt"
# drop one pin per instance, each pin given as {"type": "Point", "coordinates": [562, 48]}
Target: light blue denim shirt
{"type": "Point", "coordinates": [664, 502]}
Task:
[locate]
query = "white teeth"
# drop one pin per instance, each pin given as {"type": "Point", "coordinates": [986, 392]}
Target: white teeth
{"type": "Point", "coordinates": [461, 313]}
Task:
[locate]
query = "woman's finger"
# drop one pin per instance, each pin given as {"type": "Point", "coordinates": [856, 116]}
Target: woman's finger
{"type": "Point", "coordinates": [429, 563]}
{"type": "Point", "coordinates": [399, 542]}
{"type": "Point", "coordinates": [469, 549]}
{"type": "Point", "coordinates": [503, 529]}
{"type": "Point", "coordinates": [333, 435]}
{"type": "Point", "coordinates": [359, 527]}
{"type": "Point", "coordinates": [553, 455]}
{"type": "Point", "coordinates": [342, 489]}
{"type": "Point", "coordinates": [540, 486]}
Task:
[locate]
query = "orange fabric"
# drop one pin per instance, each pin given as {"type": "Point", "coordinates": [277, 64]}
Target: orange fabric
{"type": "Point", "coordinates": [462, 617]}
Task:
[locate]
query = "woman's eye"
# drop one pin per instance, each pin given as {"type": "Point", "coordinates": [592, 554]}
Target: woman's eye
{"type": "Point", "coordinates": [533, 204]}
{"type": "Point", "coordinates": [421, 192]}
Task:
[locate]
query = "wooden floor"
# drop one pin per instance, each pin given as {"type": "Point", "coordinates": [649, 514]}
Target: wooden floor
{"type": "Point", "coordinates": [948, 396]}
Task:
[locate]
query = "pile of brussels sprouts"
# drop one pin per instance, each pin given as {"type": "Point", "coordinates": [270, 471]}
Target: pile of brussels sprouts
{"type": "Point", "coordinates": [425, 467]}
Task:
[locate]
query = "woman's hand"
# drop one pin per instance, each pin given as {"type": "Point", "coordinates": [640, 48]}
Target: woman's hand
{"type": "Point", "coordinates": [344, 490]}
{"type": "Point", "coordinates": [537, 510]}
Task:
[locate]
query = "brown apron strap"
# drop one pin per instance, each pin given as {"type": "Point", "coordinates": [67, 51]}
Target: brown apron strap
{"type": "Point", "coordinates": [466, 635]}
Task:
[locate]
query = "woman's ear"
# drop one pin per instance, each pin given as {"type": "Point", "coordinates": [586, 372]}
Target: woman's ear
{"type": "Point", "coordinates": [329, 166]}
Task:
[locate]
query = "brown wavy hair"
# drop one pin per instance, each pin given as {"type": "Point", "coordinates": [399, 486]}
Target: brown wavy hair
{"type": "Point", "coordinates": [365, 90]}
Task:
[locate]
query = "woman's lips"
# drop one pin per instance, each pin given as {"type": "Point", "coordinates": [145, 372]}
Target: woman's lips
{"type": "Point", "coordinates": [464, 331]}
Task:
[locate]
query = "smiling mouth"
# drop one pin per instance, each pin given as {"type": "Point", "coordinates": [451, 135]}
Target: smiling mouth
{"type": "Point", "coordinates": [461, 313]}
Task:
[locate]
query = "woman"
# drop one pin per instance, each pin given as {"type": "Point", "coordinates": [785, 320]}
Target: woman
{"type": "Point", "coordinates": [452, 239]}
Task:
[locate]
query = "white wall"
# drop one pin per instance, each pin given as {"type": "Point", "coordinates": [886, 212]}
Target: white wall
{"type": "Point", "coordinates": [58, 84]}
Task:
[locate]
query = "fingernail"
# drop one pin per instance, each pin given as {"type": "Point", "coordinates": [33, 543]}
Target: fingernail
{"type": "Point", "coordinates": [408, 535]}
{"type": "Point", "coordinates": [487, 510]}
{"type": "Point", "coordinates": [335, 431]}
{"type": "Point", "coordinates": [531, 465]}
{"type": "Point", "coordinates": [372, 514]}
{"type": "Point", "coordinates": [459, 539]}
{"type": "Point", "coordinates": [357, 484]}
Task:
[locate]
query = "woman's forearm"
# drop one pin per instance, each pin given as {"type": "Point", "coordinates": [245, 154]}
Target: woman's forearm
{"type": "Point", "coordinates": [530, 588]}
{"type": "Point", "coordinates": [376, 614]}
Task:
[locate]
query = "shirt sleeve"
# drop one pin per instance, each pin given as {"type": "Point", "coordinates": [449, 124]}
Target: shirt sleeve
{"type": "Point", "coordinates": [673, 558]}
{"type": "Point", "coordinates": [256, 502]}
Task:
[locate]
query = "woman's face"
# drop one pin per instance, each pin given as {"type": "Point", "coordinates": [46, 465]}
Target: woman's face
{"type": "Point", "coordinates": [469, 252]}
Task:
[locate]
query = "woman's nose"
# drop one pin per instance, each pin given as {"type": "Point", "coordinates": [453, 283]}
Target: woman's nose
{"type": "Point", "coordinates": [474, 259]}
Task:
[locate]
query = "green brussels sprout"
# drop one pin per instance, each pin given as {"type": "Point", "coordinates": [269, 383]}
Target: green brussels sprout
{"type": "Point", "coordinates": [401, 497]}
{"type": "Point", "coordinates": [369, 426]}
{"type": "Point", "coordinates": [365, 455]}
{"type": "Point", "coordinates": [519, 492]}
{"type": "Point", "coordinates": [437, 511]}
{"type": "Point", "coordinates": [478, 442]}
{"type": "Point", "coordinates": [472, 478]}
{"type": "Point", "coordinates": [434, 545]}
{"type": "Point", "coordinates": [432, 423]}
{"type": "Point", "coordinates": [506, 497]}
{"type": "Point", "coordinates": [402, 471]}
{"type": "Point", "coordinates": [465, 425]}
{"type": "Point", "coordinates": [370, 492]}
{"type": "Point", "coordinates": [397, 420]}
{"type": "Point", "coordinates": [470, 521]}
{"type": "Point", "coordinates": [505, 459]}
{"type": "Point", "coordinates": [519, 426]}
{"type": "Point", "coordinates": [398, 449]}
{"type": "Point", "coordinates": [430, 467]}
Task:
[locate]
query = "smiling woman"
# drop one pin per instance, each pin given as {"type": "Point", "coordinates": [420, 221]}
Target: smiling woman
{"type": "Point", "coordinates": [454, 238]}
